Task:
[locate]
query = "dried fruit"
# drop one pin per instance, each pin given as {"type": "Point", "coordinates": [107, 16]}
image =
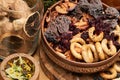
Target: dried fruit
{"type": "Point", "coordinates": [85, 35]}
{"type": "Point", "coordinates": [94, 7]}
{"type": "Point", "coordinates": [32, 24]}
{"type": "Point", "coordinates": [74, 29]}
{"type": "Point", "coordinates": [65, 41]}
{"type": "Point", "coordinates": [62, 24]}
{"type": "Point", "coordinates": [57, 27]}
{"type": "Point", "coordinates": [61, 10]}
{"type": "Point", "coordinates": [113, 22]}
{"type": "Point", "coordinates": [67, 24]}
{"type": "Point", "coordinates": [71, 6]}
{"type": "Point", "coordinates": [83, 5]}
{"type": "Point", "coordinates": [77, 13]}
{"type": "Point", "coordinates": [12, 41]}
{"type": "Point", "coordinates": [112, 12]}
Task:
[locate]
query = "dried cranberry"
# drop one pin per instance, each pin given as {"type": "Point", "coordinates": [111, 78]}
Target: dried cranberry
{"type": "Point", "coordinates": [76, 31]}
{"type": "Point", "coordinates": [117, 44]}
{"type": "Point", "coordinates": [66, 35]}
{"type": "Point", "coordinates": [72, 27]}
{"type": "Point", "coordinates": [84, 35]}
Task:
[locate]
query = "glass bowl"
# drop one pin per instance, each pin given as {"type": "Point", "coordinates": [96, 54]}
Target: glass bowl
{"type": "Point", "coordinates": [19, 26]}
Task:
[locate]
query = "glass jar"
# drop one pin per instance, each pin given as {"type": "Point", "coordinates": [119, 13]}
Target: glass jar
{"type": "Point", "coordinates": [19, 26]}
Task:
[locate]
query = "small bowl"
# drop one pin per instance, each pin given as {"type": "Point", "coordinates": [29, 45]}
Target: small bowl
{"type": "Point", "coordinates": [24, 57]}
{"type": "Point", "coordinates": [79, 67]}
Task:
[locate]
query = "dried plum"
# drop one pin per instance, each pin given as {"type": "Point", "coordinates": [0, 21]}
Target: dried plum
{"type": "Point", "coordinates": [112, 12]}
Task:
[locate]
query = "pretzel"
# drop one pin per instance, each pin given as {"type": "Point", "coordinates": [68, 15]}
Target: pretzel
{"type": "Point", "coordinates": [100, 50]}
{"type": "Point", "coordinates": [87, 54]}
{"type": "Point", "coordinates": [93, 49]}
{"type": "Point", "coordinates": [105, 48]}
{"type": "Point", "coordinates": [79, 40]}
{"type": "Point", "coordinates": [94, 37]}
{"type": "Point", "coordinates": [74, 52]}
{"type": "Point", "coordinates": [117, 33]}
{"type": "Point", "coordinates": [109, 76]}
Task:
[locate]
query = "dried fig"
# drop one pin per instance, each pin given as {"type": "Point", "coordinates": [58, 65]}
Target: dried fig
{"type": "Point", "coordinates": [32, 24]}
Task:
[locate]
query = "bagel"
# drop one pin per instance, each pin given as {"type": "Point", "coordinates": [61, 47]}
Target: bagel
{"type": "Point", "coordinates": [105, 48]}
{"type": "Point", "coordinates": [109, 76]}
{"type": "Point", "coordinates": [79, 40]}
{"type": "Point", "coordinates": [94, 37]}
{"type": "Point", "coordinates": [74, 52]}
{"type": "Point", "coordinates": [93, 49]}
{"type": "Point", "coordinates": [100, 50]}
{"type": "Point", "coordinates": [87, 54]}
